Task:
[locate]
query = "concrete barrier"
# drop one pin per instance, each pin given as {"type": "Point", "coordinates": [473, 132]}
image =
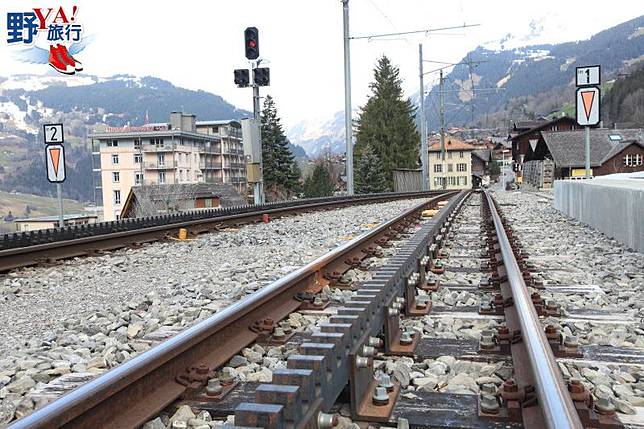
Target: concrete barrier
{"type": "Point", "coordinates": [612, 206]}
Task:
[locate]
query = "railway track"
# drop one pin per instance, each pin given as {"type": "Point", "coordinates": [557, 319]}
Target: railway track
{"type": "Point", "coordinates": [37, 247]}
{"type": "Point", "coordinates": [349, 362]}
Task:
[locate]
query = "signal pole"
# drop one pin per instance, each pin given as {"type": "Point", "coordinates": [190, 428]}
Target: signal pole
{"type": "Point", "coordinates": [258, 187]}
{"type": "Point", "coordinates": [347, 99]}
{"type": "Point", "coordinates": [423, 124]}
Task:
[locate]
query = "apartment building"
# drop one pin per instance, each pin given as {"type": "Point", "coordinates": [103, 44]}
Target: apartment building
{"type": "Point", "coordinates": [453, 172]}
{"type": "Point", "coordinates": [167, 153]}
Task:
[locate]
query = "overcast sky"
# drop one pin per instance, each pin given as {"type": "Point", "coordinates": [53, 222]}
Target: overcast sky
{"type": "Point", "coordinates": [197, 44]}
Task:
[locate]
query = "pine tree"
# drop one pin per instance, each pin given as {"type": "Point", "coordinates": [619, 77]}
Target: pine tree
{"type": "Point", "coordinates": [370, 178]}
{"type": "Point", "coordinates": [319, 183]}
{"type": "Point", "coordinates": [280, 174]}
{"type": "Point", "coordinates": [386, 123]}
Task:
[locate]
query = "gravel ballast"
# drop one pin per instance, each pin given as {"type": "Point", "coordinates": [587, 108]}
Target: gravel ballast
{"type": "Point", "coordinates": [84, 316]}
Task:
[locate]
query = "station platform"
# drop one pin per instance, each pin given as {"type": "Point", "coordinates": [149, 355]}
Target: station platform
{"type": "Point", "coordinates": [612, 204]}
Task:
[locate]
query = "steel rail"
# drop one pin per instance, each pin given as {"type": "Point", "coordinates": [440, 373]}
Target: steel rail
{"type": "Point", "coordinates": [558, 409]}
{"type": "Point", "coordinates": [132, 393]}
{"type": "Point", "coordinates": [61, 249]}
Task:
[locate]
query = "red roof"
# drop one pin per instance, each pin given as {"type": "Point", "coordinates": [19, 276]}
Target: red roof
{"type": "Point", "coordinates": [450, 144]}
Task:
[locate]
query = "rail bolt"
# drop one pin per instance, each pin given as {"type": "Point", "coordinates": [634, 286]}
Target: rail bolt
{"type": "Point", "coordinates": [214, 387]}
{"type": "Point", "coordinates": [489, 404]}
{"type": "Point", "coordinates": [421, 301]}
{"type": "Point", "coordinates": [363, 362]}
{"type": "Point", "coordinates": [227, 375]}
{"type": "Point", "coordinates": [375, 342]}
{"type": "Point", "coordinates": [509, 391]}
{"type": "Point", "coordinates": [487, 341]}
{"type": "Point", "coordinates": [552, 333]}
{"type": "Point", "coordinates": [578, 392]}
{"type": "Point", "coordinates": [380, 396]}
{"type": "Point", "coordinates": [489, 388]}
{"type": "Point", "coordinates": [406, 338]}
{"type": "Point", "coordinates": [279, 333]}
{"type": "Point", "coordinates": [385, 381]}
{"type": "Point", "coordinates": [327, 421]}
{"type": "Point", "coordinates": [368, 351]}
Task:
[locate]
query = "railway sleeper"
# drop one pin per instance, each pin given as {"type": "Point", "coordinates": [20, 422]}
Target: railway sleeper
{"type": "Point", "coordinates": [341, 354]}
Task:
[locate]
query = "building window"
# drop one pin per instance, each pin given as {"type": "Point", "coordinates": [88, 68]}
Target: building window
{"type": "Point", "coordinates": [633, 160]}
{"type": "Point", "coordinates": [161, 159]}
{"type": "Point", "coordinates": [116, 177]}
{"type": "Point", "coordinates": [118, 217]}
{"type": "Point", "coordinates": [461, 167]}
{"type": "Point", "coordinates": [137, 144]}
{"type": "Point", "coordinates": [138, 178]}
{"type": "Point", "coordinates": [449, 155]}
{"type": "Point", "coordinates": [450, 168]}
{"type": "Point", "coordinates": [117, 197]}
{"type": "Point", "coordinates": [138, 158]}
{"type": "Point", "coordinates": [451, 181]}
{"type": "Point", "coordinates": [461, 154]}
{"type": "Point", "coordinates": [157, 142]}
{"type": "Point", "coordinates": [161, 177]}
{"type": "Point", "coordinates": [112, 143]}
{"type": "Point", "coordinates": [115, 158]}
{"type": "Point", "coordinates": [438, 168]}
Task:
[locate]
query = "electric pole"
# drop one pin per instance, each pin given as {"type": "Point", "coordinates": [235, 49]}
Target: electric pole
{"type": "Point", "coordinates": [347, 99]}
{"type": "Point", "coordinates": [441, 93]}
{"type": "Point", "coordinates": [423, 123]}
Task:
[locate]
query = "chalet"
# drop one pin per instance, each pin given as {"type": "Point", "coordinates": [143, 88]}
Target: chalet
{"type": "Point", "coordinates": [151, 200]}
{"type": "Point", "coordinates": [528, 139]}
{"type": "Point", "coordinates": [611, 151]}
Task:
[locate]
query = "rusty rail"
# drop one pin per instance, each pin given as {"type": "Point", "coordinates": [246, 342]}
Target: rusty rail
{"type": "Point", "coordinates": [554, 399]}
{"type": "Point", "coordinates": [71, 242]}
{"type": "Point", "coordinates": [132, 393]}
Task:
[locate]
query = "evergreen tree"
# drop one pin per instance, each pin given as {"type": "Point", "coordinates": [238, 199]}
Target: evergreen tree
{"type": "Point", "coordinates": [319, 183]}
{"type": "Point", "coordinates": [387, 124]}
{"type": "Point", "coordinates": [370, 178]}
{"type": "Point", "coordinates": [280, 174]}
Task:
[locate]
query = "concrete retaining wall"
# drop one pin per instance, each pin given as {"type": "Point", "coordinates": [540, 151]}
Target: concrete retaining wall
{"type": "Point", "coordinates": [612, 206]}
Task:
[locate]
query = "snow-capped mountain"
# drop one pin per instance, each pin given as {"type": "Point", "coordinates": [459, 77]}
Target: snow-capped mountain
{"type": "Point", "coordinates": [524, 68]}
{"type": "Point", "coordinates": [318, 136]}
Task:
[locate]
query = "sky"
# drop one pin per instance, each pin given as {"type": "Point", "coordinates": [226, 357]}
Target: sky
{"type": "Point", "coordinates": [198, 44]}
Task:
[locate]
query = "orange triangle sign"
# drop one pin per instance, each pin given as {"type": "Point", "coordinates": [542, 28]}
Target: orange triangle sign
{"type": "Point", "coordinates": [55, 159]}
{"type": "Point", "coordinates": [587, 98]}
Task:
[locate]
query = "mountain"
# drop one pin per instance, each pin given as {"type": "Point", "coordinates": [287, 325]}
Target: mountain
{"type": "Point", "coordinates": [320, 136]}
{"type": "Point", "coordinates": [85, 103]}
{"type": "Point", "coordinates": [511, 81]}
{"type": "Point", "coordinates": [531, 80]}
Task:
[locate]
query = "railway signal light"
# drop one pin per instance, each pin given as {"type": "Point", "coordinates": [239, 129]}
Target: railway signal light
{"type": "Point", "coordinates": [251, 43]}
{"type": "Point", "coordinates": [242, 78]}
{"type": "Point", "coordinates": [261, 76]}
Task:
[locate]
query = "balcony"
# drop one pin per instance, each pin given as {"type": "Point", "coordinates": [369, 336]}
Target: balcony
{"type": "Point", "coordinates": [234, 166]}
{"type": "Point", "coordinates": [155, 148]}
{"type": "Point", "coordinates": [210, 165]}
{"type": "Point", "coordinates": [167, 165]}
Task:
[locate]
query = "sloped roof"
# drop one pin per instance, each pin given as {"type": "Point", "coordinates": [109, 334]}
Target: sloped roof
{"type": "Point", "coordinates": [483, 154]}
{"type": "Point", "coordinates": [568, 148]}
{"type": "Point", "coordinates": [543, 125]}
{"type": "Point", "coordinates": [451, 144]}
{"type": "Point", "coordinates": [227, 194]}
